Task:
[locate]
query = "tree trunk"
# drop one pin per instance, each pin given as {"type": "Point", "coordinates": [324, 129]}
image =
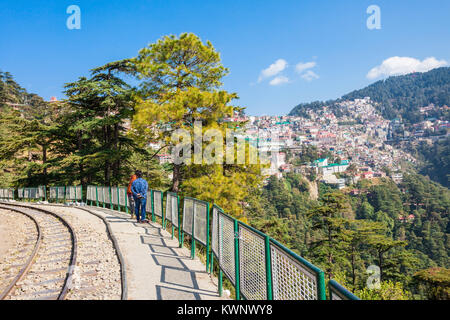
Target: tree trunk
{"type": "Point", "coordinates": [44, 161]}
{"type": "Point", "coordinates": [176, 180]}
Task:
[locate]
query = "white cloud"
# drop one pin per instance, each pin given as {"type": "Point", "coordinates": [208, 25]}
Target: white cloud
{"type": "Point", "coordinates": [279, 80]}
{"type": "Point", "coordinates": [300, 67]}
{"type": "Point", "coordinates": [404, 65]}
{"type": "Point", "coordinates": [310, 76]}
{"type": "Point", "coordinates": [273, 69]}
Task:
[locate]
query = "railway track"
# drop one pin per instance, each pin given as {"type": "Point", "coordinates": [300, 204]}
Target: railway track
{"type": "Point", "coordinates": [46, 273]}
{"type": "Point", "coordinates": [98, 272]}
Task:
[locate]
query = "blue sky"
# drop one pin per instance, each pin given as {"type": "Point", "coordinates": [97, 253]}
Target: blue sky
{"type": "Point", "coordinates": [330, 39]}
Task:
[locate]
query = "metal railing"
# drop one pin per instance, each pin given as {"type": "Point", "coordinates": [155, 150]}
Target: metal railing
{"type": "Point", "coordinates": [114, 197]}
{"type": "Point", "coordinates": [7, 194]}
{"type": "Point", "coordinates": [57, 193]}
{"type": "Point", "coordinates": [196, 225]}
{"type": "Point", "coordinates": [338, 292]}
{"type": "Point", "coordinates": [29, 194]}
{"type": "Point", "coordinates": [172, 213]}
{"type": "Point", "coordinates": [258, 266]}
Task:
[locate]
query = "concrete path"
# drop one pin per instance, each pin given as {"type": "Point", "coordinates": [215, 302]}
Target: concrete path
{"type": "Point", "coordinates": [156, 268]}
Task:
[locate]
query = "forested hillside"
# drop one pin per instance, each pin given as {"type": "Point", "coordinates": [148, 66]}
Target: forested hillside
{"type": "Point", "coordinates": [436, 159]}
{"type": "Point", "coordinates": [400, 95]}
{"type": "Point", "coordinates": [403, 229]}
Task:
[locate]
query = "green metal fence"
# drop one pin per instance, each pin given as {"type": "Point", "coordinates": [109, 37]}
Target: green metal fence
{"type": "Point", "coordinates": [196, 224]}
{"type": "Point", "coordinates": [157, 206]}
{"type": "Point", "coordinates": [73, 193]}
{"type": "Point", "coordinates": [172, 213]}
{"type": "Point", "coordinates": [338, 292]}
{"type": "Point", "coordinates": [29, 194]}
{"type": "Point", "coordinates": [91, 195]}
{"type": "Point", "coordinates": [259, 267]}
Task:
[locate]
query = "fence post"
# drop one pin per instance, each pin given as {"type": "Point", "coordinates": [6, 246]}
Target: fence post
{"type": "Point", "coordinates": [163, 216]}
{"type": "Point", "coordinates": [152, 206]}
{"type": "Point", "coordinates": [96, 195]}
{"type": "Point", "coordinates": [321, 286]}
{"type": "Point", "coordinates": [118, 198]}
{"type": "Point", "coordinates": [104, 200]}
{"type": "Point", "coordinates": [268, 269]}
{"type": "Point", "coordinates": [110, 198]}
{"type": "Point", "coordinates": [65, 190]}
{"type": "Point", "coordinates": [236, 259]}
{"type": "Point", "coordinates": [45, 193]}
{"type": "Point", "coordinates": [220, 282]}
{"type": "Point", "coordinates": [193, 231]}
{"type": "Point", "coordinates": [126, 201]}
{"type": "Point", "coordinates": [171, 214]}
{"type": "Point", "coordinates": [180, 227]}
{"type": "Point", "coordinates": [207, 237]}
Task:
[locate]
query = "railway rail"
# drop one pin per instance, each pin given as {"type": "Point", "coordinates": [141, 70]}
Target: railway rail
{"type": "Point", "coordinates": [97, 270]}
{"type": "Point", "coordinates": [48, 271]}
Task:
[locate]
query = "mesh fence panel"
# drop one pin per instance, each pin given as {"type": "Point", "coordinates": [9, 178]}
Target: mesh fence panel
{"type": "Point", "coordinates": [26, 193]}
{"type": "Point", "coordinates": [148, 204]}
{"type": "Point", "coordinates": [2, 193]}
{"type": "Point", "coordinates": [100, 194]}
{"type": "Point", "coordinates": [21, 192]}
{"type": "Point", "coordinates": [214, 232]}
{"type": "Point", "coordinates": [114, 196]}
{"type": "Point", "coordinates": [61, 192]}
{"type": "Point", "coordinates": [226, 246]}
{"type": "Point", "coordinates": [252, 264]}
{"type": "Point", "coordinates": [70, 193]}
{"type": "Point", "coordinates": [90, 193]}
{"type": "Point", "coordinates": [169, 207]}
{"type": "Point", "coordinates": [175, 210]}
{"type": "Point", "coordinates": [157, 203]}
{"type": "Point", "coordinates": [201, 222]}
{"type": "Point", "coordinates": [290, 279]}
{"type": "Point", "coordinates": [41, 192]}
{"type": "Point", "coordinates": [79, 194]}
{"type": "Point", "coordinates": [172, 208]}
{"type": "Point", "coordinates": [11, 194]}
{"type": "Point", "coordinates": [106, 195]}
{"type": "Point", "coordinates": [53, 191]}
{"type": "Point", "coordinates": [32, 193]}
{"type": "Point", "coordinates": [122, 196]}
{"type": "Point", "coordinates": [188, 215]}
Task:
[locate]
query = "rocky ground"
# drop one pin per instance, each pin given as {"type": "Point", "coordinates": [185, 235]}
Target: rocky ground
{"type": "Point", "coordinates": [97, 272]}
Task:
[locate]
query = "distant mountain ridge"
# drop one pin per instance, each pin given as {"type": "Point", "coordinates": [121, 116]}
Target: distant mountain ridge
{"type": "Point", "coordinates": [399, 95]}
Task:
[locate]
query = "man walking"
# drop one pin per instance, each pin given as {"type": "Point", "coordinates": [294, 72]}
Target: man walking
{"type": "Point", "coordinates": [139, 188]}
{"type": "Point", "coordinates": [130, 195]}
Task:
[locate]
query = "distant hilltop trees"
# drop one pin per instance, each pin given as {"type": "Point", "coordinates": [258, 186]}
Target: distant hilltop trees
{"type": "Point", "coordinates": [400, 96]}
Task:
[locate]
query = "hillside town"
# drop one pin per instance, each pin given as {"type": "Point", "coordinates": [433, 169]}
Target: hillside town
{"type": "Point", "coordinates": [353, 135]}
{"type": "Point", "coordinates": [355, 139]}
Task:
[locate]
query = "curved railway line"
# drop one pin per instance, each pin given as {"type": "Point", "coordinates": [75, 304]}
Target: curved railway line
{"type": "Point", "coordinates": [71, 260]}
{"type": "Point", "coordinates": [47, 273]}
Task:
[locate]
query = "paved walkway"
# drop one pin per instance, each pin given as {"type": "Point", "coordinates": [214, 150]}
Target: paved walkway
{"type": "Point", "coordinates": [156, 267]}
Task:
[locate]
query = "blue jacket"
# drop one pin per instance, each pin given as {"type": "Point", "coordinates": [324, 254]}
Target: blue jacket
{"type": "Point", "coordinates": [139, 186]}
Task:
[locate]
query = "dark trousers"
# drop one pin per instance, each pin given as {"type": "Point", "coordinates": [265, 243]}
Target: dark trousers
{"type": "Point", "coordinates": [140, 208]}
{"type": "Point", "coordinates": [131, 203]}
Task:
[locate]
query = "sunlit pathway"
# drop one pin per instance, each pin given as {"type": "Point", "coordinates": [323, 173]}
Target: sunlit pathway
{"type": "Point", "coordinates": [156, 267]}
